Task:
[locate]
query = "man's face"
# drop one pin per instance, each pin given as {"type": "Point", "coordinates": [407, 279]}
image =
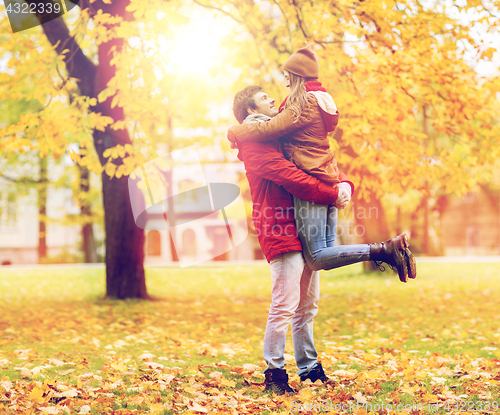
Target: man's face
{"type": "Point", "coordinates": [264, 104]}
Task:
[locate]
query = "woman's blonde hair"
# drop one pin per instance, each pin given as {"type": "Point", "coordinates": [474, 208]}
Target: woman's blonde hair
{"type": "Point", "coordinates": [297, 100]}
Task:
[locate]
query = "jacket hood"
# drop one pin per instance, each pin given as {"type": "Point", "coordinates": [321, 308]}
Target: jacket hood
{"type": "Point", "coordinates": [328, 109]}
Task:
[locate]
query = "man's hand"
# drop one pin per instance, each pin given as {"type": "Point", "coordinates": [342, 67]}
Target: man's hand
{"type": "Point", "coordinates": [344, 195]}
{"type": "Point", "coordinates": [230, 136]}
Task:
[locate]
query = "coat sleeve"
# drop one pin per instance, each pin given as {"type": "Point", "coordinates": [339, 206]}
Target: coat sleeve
{"type": "Point", "coordinates": [285, 122]}
{"type": "Point", "coordinates": [267, 162]}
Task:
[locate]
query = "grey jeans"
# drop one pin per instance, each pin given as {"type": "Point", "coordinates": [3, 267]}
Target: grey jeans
{"type": "Point", "coordinates": [317, 228]}
{"type": "Point", "coordinates": [294, 300]}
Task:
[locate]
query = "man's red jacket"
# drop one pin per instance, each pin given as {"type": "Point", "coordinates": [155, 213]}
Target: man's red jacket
{"type": "Point", "coordinates": [272, 179]}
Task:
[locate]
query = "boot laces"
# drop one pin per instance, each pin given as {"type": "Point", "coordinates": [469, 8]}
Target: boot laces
{"type": "Point", "coordinates": [380, 267]}
{"type": "Point", "coordinates": [280, 384]}
{"type": "Point", "coordinates": [283, 387]}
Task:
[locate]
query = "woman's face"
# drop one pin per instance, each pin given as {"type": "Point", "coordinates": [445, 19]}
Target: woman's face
{"type": "Point", "coordinates": [287, 79]}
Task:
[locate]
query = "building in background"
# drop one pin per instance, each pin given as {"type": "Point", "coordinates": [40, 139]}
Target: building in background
{"type": "Point", "coordinates": [471, 224]}
{"type": "Point", "coordinates": [19, 226]}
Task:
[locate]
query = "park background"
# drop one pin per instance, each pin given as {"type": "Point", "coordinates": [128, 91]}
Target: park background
{"type": "Point", "coordinates": [87, 98]}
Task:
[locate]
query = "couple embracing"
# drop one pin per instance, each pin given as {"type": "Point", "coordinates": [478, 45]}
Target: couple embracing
{"type": "Point", "coordinates": [296, 190]}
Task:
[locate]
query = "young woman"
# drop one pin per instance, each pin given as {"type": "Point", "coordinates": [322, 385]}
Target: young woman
{"type": "Point", "coordinates": [306, 117]}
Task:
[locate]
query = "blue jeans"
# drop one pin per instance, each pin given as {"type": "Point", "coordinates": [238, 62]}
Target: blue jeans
{"type": "Point", "coordinates": [317, 228]}
{"type": "Point", "coordinates": [294, 299]}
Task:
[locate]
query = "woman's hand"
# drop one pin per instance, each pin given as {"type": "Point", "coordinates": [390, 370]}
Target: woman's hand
{"type": "Point", "coordinates": [344, 196]}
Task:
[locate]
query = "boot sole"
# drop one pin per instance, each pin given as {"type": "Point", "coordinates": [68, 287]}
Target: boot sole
{"type": "Point", "coordinates": [405, 242]}
{"type": "Point", "coordinates": [411, 264]}
{"type": "Point", "coordinates": [269, 389]}
{"type": "Point", "coordinates": [280, 394]}
{"type": "Point", "coordinates": [401, 263]}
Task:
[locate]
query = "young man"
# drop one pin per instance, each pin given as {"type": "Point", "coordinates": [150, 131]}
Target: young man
{"type": "Point", "coordinates": [295, 288]}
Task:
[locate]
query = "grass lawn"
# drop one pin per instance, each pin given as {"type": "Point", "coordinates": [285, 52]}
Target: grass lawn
{"type": "Point", "coordinates": [430, 346]}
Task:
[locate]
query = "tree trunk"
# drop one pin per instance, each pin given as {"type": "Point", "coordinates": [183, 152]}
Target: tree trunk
{"type": "Point", "coordinates": [425, 242]}
{"type": "Point", "coordinates": [124, 240]}
{"type": "Point", "coordinates": [42, 209]}
{"type": "Point", "coordinates": [425, 200]}
{"type": "Point", "coordinates": [88, 241]}
{"type": "Point", "coordinates": [399, 221]}
{"type": "Point", "coordinates": [171, 218]}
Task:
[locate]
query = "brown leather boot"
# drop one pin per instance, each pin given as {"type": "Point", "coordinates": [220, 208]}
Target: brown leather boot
{"type": "Point", "coordinates": [391, 252]}
{"type": "Point", "coordinates": [410, 263]}
{"type": "Point", "coordinates": [277, 382]}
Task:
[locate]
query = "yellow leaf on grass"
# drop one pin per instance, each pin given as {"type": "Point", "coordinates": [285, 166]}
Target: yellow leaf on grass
{"type": "Point", "coordinates": [57, 362]}
{"type": "Point", "coordinates": [69, 393]}
{"type": "Point", "coordinates": [359, 397]}
{"type": "Point", "coordinates": [250, 367]}
{"type": "Point", "coordinates": [407, 389]}
{"type": "Point", "coordinates": [25, 372]}
{"type": "Point", "coordinates": [146, 356]}
{"type": "Point", "coordinates": [306, 394]}
{"type": "Point", "coordinates": [135, 400]}
{"type": "Point", "coordinates": [228, 383]}
{"type": "Point", "coordinates": [369, 357]}
{"type": "Point", "coordinates": [198, 408]}
{"type": "Point", "coordinates": [120, 366]}
{"type": "Point", "coordinates": [36, 394]}
{"type": "Point", "coordinates": [52, 410]}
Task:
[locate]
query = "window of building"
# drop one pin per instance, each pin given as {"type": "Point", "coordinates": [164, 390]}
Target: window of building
{"type": "Point", "coordinates": [472, 236]}
{"type": "Point", "coordinates": [8, 210]}
{"type": "Point", "coordinates": [71, 203]}
{"type": "Point", "coordinates": [469, 197]}
{"type": "Point", "coordinates": [153, 243]}
{"type": "Point", "coordinates": [189, 242]}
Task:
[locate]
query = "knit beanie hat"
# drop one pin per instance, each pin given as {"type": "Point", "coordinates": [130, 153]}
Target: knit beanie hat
{"type": "Point", "coordinates": [303, 62]}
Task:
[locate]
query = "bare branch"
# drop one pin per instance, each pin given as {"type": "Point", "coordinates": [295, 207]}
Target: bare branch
{"type": "Point", "coordinates": [20, 180]}
{"type": "Point", "coordinates": [287, 24]}
{"type": "Point", "coordinates": [299, 19]}
{"type": "Point", "coordinates": [209, 6]}
{"type": "Point", "coordinates": [78, 65]}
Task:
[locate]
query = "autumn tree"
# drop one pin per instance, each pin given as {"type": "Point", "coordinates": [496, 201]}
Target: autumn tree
{"type": "Point", "coordinates": [124, 241]}
{"type": "Point", "coordinates": [415, 113]}
{"type": "Point", "coordinates": [113, 94]}
{"type": "Point", "coordinates": [386, 63]}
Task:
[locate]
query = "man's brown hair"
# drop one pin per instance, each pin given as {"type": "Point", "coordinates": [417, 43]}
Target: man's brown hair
{"type": "Point", "coordinates": [243, 100]}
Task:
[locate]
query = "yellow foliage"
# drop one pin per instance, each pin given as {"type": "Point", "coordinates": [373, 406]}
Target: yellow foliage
{"type": "Point", "coordinates": [36, 394]}
{"type": "Point", "coordinates": [382, 61]}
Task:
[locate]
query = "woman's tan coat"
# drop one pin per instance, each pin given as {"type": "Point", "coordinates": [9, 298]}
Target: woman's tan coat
{"type": "Point", "coordinates": [305, 139]}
